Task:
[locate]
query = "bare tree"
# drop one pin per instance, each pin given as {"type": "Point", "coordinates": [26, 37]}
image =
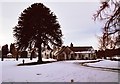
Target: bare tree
{"type": "Point", "coordinates": [103, 44]}
{"type": "Point", "coordinates": [109, 12]}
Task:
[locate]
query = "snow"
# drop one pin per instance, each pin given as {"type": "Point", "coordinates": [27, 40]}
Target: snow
{"type": "Point", "coordinates": [116, 57]}
{"type": "Point", "coordinates": [81, 61]}
{"type": "Point", "coordinates": [106, 64]}
{"type": "Point", "coordinates": [62, 71]}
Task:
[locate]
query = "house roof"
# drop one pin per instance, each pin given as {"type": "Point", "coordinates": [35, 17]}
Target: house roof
{"type": "Point", "coordinates": [74, 49]}
{"type": "Point", "coordinates": [79, 49]}
{"type": "Point", "coordinates": [61, 50]}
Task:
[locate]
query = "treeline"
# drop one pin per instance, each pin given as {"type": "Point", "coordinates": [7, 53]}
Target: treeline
{"type": "Point", "coordinates": [107, 53]}
{"type": "Point", "coordinates": [15, 53]}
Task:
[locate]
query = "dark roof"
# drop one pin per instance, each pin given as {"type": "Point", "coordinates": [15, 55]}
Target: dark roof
{"type": "Point", "coordinates": [75, 49]}
{"type": "Point", "coordinates": [79, 49]}
{"type": "Point", "coordinates": [62, 49]}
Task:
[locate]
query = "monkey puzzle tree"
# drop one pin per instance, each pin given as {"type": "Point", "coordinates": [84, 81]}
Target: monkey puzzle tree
{"type": "Point", "coordinates": [37, 26]}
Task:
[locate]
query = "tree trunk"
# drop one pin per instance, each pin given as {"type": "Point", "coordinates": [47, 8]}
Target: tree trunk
{"type": "Point", "coordinates": [17, 56]}
{"type": "Point", "coordinates": [31, 56]}
{"type": "Point", "coordinates": [39, 55]}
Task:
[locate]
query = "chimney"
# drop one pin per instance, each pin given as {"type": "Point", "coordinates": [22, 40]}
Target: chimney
{"type": "Point", "coordinates": [71, 45]}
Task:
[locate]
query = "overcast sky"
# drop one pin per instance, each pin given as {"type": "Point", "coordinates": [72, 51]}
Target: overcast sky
{"type": "Point", "coordinates": [75, 19]}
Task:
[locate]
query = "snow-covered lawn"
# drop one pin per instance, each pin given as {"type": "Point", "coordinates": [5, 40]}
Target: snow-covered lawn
{"type": "Point", "coordinates": [106, 64]}
{"type": "Point", "coordinates": [62, 71]}
{"type": "Point", "coordinates": [81, 61]}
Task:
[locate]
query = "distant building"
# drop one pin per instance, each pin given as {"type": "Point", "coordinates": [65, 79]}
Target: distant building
{"type": "Point", "coordinates": [47, 53]}
{"type": "Point", "coordinates": [75, 53]}
{"type": "Point", "coordinates": [69, 53]}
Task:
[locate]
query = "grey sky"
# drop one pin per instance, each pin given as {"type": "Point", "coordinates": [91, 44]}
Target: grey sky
{"type": "Point", "coordinates": [75, 19]}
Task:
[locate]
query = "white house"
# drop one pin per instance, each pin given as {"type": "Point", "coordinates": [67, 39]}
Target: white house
{"type": "Point", "coordinates": [75, 53]}
{"type": "Point", "coordinates": [47, 53]}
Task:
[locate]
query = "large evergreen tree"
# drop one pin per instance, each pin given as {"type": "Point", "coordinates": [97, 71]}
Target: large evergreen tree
{"type": "Point", "coordinates": [37, 26]}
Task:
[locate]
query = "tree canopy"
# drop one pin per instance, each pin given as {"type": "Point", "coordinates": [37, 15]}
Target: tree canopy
{"type": "Point", "coordinates": [37, 26]}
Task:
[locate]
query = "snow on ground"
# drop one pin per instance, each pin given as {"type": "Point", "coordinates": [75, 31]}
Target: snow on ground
{"type": "Point", "coordinates": [106, 64]}
{"type": "Point", "coordinates": [62, 71]}
{"type": "Point", "coordinates": [81, 61]}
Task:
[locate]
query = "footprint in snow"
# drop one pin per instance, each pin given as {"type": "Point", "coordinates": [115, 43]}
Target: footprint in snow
{"type": "Point", "coordinates": [38, 74]}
